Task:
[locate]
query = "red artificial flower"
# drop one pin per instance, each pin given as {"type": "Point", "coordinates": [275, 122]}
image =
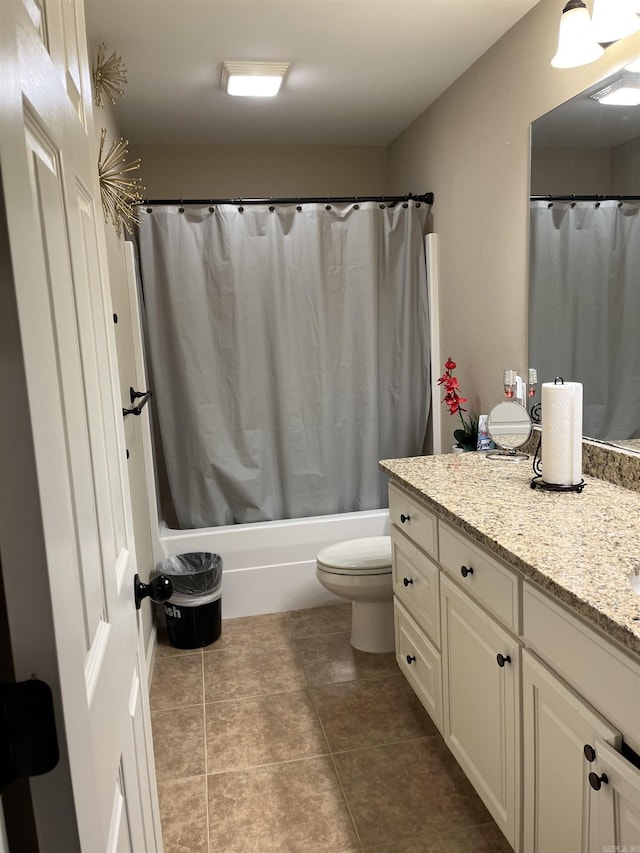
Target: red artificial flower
{"type": "Point", "coordinates": [468, 434]}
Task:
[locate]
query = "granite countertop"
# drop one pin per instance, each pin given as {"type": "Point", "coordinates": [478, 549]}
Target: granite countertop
{"type": "Point", "coordinates": [579, 547]}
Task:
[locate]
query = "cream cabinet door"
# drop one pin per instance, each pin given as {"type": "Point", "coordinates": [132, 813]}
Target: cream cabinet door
{"type": "Point", "coordinates": [481, 707]}
{"type": "Point", "coordinates": [616, 818]}
{"type": "Point", "coordinates": [557, 727]}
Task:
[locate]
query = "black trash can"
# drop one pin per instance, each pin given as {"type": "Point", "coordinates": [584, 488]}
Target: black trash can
{"type": "Point", "coordinates": [194, 611]}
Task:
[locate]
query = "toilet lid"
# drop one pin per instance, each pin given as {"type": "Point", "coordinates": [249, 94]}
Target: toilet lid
{"type": "Point", "coordinates": [361, 555]}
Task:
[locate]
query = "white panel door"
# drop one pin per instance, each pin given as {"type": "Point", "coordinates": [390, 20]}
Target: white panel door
{"type": "Point", "coordinates": [66, 347]}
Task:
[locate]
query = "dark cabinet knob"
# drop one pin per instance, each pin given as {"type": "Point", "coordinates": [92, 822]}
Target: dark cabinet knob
{"type": "Point", "coordinates": [502, 659]}
{"type": "Point", "coordinates": [158, 589]}
{"type": "Point", "coordinates": [589, 752]}
{"type": "Point", "coordinates": [407, 581]}
{"type": "Point", "coordinates": [464, 571]}
{"type": "Point", "coordinates": [596, 781]}
{"type": "Point", "coordinates": [404, 518]}
{"type": "Point", "coordinates": [410, 658]}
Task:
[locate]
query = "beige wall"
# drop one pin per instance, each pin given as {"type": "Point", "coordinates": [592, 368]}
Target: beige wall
{"type": "Point", "coordinates": [257, 171]}
{"type": "Point", "coordinates": [471, 148]}
{"type": "Point", "coordinates": [567, 171]}
{"type": "Point", "coordinates": [625, 168]}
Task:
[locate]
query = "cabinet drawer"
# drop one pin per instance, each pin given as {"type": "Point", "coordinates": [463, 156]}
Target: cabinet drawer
{"type": "Point", "coordinates": [416, 583]}
{"type": "Point", "coordinates": [420, 662]}
{"type": "Point", "coordinates": [598, 670]}
{"type": "Point", "coordinates": [415, 521]}
{"type": "Point", "coordinates": [491, 584]}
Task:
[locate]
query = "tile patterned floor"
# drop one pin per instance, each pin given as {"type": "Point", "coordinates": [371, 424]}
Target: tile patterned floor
{"type": "Point", "coordinates": [281, 738]}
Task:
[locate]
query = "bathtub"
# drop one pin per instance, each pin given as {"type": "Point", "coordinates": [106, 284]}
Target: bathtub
{"type": "Point", "coordinates": [270, 566]}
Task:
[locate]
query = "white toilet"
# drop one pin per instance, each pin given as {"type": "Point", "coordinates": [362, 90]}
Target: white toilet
{"type": "Point", "coordinates": [360, 571]}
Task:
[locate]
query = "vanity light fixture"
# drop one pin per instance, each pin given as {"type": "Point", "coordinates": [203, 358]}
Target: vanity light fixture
{"type": "Point", "coordinates": [625, 91]}
{"type": "Point", "coordinates": [253, 79]}
{"type": "Point", "coordinates": [577, 44]}
{"type": "Point", "coordinates": [634, 66]}
{"type": "Point", "coordinates": [613, 20]}
{"type": "Point", "coordinates": [582, 39]}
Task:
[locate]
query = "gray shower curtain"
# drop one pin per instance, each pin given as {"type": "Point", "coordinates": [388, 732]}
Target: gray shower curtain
{"type": "Point", "coordinates": [290, 352]}
{"type": "Point", "coordinates": [584, 307]}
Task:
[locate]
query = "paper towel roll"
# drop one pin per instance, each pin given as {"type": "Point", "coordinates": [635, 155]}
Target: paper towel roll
{"type": "Point", "coordinates": [562, 433]}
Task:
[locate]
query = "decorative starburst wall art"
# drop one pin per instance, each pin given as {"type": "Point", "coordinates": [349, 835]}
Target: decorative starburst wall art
{"type": "Point", "coordinates": [120, 194]}
{"type": "Point", "coordinates": [109, 76]}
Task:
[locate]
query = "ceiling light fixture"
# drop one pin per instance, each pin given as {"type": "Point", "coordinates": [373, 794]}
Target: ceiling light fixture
{"type": "Point", "coordinates": [582, 39]}
{"type": "Point", "coordinates": [253, 79]}
{"type": "Point", "coordinates": [625, 91]}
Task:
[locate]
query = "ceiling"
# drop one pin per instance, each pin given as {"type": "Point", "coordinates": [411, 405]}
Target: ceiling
{"type": "Point", "coordinates": [361, 70]}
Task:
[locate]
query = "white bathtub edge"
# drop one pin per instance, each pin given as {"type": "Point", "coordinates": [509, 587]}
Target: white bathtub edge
{"type": "Point", "coordinates": [271, 567]}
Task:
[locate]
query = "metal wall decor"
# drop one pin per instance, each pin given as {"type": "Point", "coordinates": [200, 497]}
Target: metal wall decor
{"type": "Point", "coordinates": [119, 194]}
{"type": "Point", "coordinates": [109, 76]}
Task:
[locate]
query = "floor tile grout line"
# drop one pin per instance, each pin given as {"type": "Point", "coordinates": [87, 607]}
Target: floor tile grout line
{"type": "Point", "coordinates": [339, 780]}
{"type": "Point", "coordinates": [178, 653]}
{"type": "Point", "coordinates": [304, 688]}
{"type": "Point", "coordinates": [271, 764]}
{"type": "Point", "coordinates": [253, 767]}
{"type": "Point", "coordinates": [206, 756]}
{"type": "Point", "coordinates": [175, 708]}
{"type": "Point", "coordinates": [385, 744]}
{"type": "Point", "coordinates": [346, 802]}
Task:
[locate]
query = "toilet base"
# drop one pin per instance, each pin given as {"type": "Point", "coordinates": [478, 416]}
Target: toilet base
{"type": "Point", "coordinates": [372, 627]}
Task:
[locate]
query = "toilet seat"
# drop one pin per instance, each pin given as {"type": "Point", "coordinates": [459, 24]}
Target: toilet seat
{"type": "Point", "coordinates": [367, 556]}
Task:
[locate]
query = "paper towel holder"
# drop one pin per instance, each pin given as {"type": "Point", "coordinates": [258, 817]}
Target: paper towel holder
{"type": "Point", "coordinates": [537, 482]}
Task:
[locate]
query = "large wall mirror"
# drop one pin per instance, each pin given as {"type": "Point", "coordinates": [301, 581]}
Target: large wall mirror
{"type": "Point", "coordinates": [584, 259]}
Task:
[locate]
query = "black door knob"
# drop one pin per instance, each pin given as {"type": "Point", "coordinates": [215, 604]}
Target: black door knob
{"type": "Point", "coordinates": [404, 518]}
{"type": "Point", "coordinates": [158, 589]}
{"type": "Point", "coordinates": [464, 571]}
{"type": "Point", "coordinates": [410, 658]}
{"type": "Point", "coordinates": [502, 659]}
{"type": "Point", "coordinates": [407, 581]}
{"type": "Point", "coordinates": [596, 781]}
{"type": "Point", "coordinates": [589, 752]}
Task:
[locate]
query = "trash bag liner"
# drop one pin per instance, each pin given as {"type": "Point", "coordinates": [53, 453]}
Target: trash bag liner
{"type": "Point", "coordinates": [195, 574]}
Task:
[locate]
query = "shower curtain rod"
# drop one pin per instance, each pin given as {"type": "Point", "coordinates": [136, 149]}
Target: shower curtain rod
{"type": "Point", "coordinates": [425, 198]}
{"type": "Point", "coordinates": [584, 198]}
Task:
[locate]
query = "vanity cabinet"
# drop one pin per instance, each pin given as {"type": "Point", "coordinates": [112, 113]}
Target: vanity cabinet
{"type": "Point", "coordinates": [539, 707]}
{"type": "Point", "coordinates": [481, 685]}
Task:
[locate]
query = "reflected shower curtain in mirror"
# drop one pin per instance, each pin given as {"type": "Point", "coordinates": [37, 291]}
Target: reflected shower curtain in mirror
{"type": "Point", "coordinates": [290, 352]}
{"type": "Point", "coordinates": [584, 307]}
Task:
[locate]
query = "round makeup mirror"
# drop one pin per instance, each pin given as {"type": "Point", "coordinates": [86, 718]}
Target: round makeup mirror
{"type": "Point", "coordinates": [509, 426]}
